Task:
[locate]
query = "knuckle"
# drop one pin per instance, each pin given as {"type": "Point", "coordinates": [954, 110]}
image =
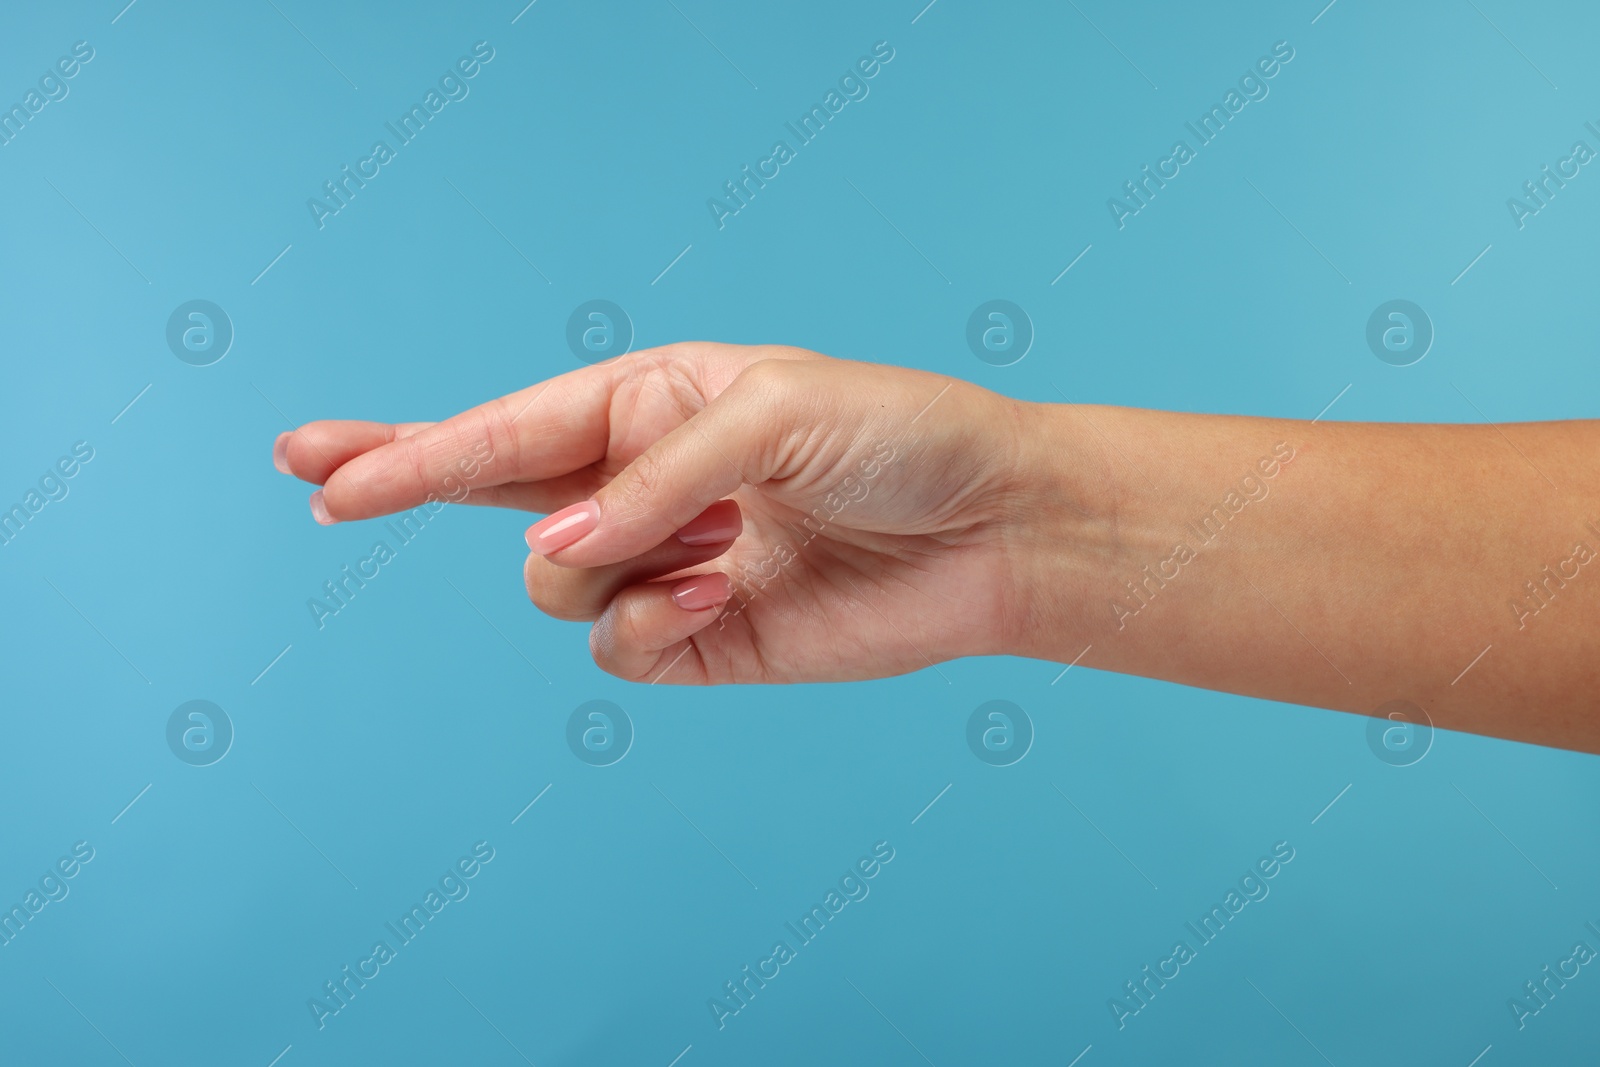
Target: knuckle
{"type": "Point", "coordinates": [615, 642]}
{"type": "Point", "coordinates": [556, 592]}
{"type": "Point", "coordinates": [645, 476]}
{"type": "Point", "coordinates": [444, 469]}
{"type": "Point", "coordinates": [767, 377]}
{"type": "Point", "coordinates": [497, 439]}
{"type": "Point", "coordinates": [416, 460]}
{"type": "Point", "coordinates": [623, 622]}
{"type": "Point", "coordinates": [774, 409]}
{"type": "Point", "coordinates": [603, 645]}
{"type": "Point", "coordinates": [666, 355]}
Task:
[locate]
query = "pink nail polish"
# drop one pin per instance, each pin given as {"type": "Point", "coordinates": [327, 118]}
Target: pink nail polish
{"type": "Point", "coordinates": [319, 509]}
{"type": "Point", "coordinates": [280, 453]}
{"type": "Point", "coordinates": [562, 528]}
{"type": "Point", "coordinates": [702, 591]}
{"type": "Point", "coordinates": [716, 524]}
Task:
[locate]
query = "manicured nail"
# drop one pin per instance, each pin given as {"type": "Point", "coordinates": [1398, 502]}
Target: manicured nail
{"type": "Point", "coordinates": [562, 528]}
{"type": "Point", "coordinates": [720, 522]}
{"type": "Point", "coordinates": [319, 510]}
{"type": "Point", "coordinates": [280, 453]}
{"type": "Point", "coordinates": [702, 591]}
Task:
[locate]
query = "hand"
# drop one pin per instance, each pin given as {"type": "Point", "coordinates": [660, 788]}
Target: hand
{"type": "Point", "coordinates": [730, 514]}
{"type": "Point", "coordinates": [767, 514]}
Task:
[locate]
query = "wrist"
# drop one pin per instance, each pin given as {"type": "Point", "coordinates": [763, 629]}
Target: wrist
{"type": "Point", "coordinates": [1069, 529]}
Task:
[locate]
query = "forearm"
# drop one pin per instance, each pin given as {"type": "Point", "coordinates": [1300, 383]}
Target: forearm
{"type": "Point", "coordinates": [1342, 565]}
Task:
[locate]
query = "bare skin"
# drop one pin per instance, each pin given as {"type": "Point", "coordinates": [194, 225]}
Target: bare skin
{"type": "Point", "coordinates": [853, 520]}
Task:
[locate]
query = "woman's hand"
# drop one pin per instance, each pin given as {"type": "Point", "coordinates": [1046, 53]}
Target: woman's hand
{"type": "Point", "coordinates": [767, 514]}
{"type": "Point", "coordinates": [724, 513]}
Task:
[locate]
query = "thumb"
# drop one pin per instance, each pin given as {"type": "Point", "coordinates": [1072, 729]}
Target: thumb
{"type": "Point", "coordinates": [735, 440]}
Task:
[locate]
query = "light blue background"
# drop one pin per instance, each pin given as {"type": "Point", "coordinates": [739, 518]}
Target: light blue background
{"type": "Point", "coordinates": [410, 727]}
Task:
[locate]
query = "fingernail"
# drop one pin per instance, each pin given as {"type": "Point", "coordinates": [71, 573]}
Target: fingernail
{"type": "Point", "coordinates": [702, 591]}
{"type": "Point", "coordinates": [319, 510]}
{"type": "Point", "coordinates": [716, 524]}
{"type": "Point", "coordinates": [562, 528]}
{"type": "Point", "coordinates": [280, 453]}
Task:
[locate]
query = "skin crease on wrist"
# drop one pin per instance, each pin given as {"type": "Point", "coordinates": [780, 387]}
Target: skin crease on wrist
{"type": "Point", "coordinates": [726, 514]}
